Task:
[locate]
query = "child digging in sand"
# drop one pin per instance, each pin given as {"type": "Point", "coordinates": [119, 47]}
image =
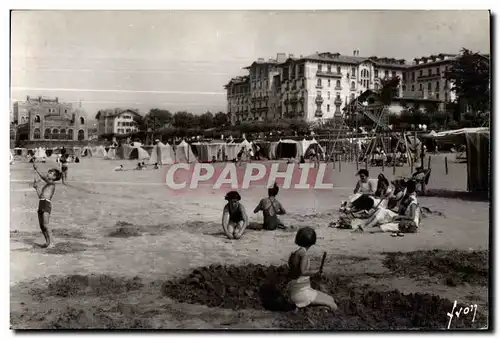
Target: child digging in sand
{"type": "Point", "coordinates": [234, 216]}
{"type": "Point", "coordinates": [45, 195]}
{"type": "Point", "coordinates": [301, 292]}
{"type": "Point", "coordinates": [271, 208]}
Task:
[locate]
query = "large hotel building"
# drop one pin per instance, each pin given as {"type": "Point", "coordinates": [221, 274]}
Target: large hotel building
{"type": "Point", "coordinates": [320, 85]}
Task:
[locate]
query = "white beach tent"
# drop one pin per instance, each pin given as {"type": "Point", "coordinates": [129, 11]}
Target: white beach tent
{"type": "Point", "coordinates": [184, 154]}
{"type": "Point", "coordinates": [99, 151]}
{"type": "Point", "coordinates": [163, 154]}
{"type": "Point", "coordinates": [40, 154]}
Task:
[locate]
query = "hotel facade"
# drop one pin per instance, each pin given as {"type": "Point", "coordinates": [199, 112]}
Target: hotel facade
{"type": "Point", "coordinates": [321, 85]}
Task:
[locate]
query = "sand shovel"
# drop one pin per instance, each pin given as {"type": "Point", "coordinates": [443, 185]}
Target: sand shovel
{"type": "Point", "coordinates": [322, 263]}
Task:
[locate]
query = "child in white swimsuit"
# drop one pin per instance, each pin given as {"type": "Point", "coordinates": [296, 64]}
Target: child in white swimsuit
{"type": "Point", "coordinates": [301, 292]}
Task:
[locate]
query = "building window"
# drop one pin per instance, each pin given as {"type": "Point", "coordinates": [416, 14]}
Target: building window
{"type": "Point", "coordinates": [70, 134]}
{"type": "Point", "coordinates": [386, 74]}
{"type": "Point", "coordinates": [82, 120]}
{"type": "Point", "coordinates": [376, 87]}
{"type": "Point", "coordinates": [393, 74]}
{"type": "Point", "coordinates": [36, 133]}
{"type": "Point", "coordinates": [421, 87]}
{"type": "Point", "coordinates": [353, 96]}
{"type": "Point", "coordinates": [437, 86]}
{"type": "Point", "coordinates": [429, 72]}
{"type": "Point", "coordinates": [46, 134]}
{"type": "Point", "coordinates": [337, 84]}
{"type": "Point", "coordinates": [376, 73]}
{"type": "Point", "coordinates": [81, 135]}
{"type": "Point", "coordinates": [437, 96]}
{"type": "Point", "coordinates": [319, 67]}
{"type": "Point", "coordinates": [429, 86]}
{"type": "Point", "coordinates": [404, 88]}
{"type": "Point", "coordinates": [353, 85]}
{"type": "Point", "coordinates": [329, 68]}
{"type": "Point", "coordinates": [353, 71]}
{"type": "Point", "coordinates": [318, 83]}
{"type": "Point", "coordinates": [318, 93]}
{"type": "Point", "coordinates": [62, 134]}
{"type": "Point", "coordinates": [328, 95]}
{"type": "Point", "coordinates": [329, 83]}
{"type": "Point", "coordinates": [65, 111]}
{"type": "Point", "coordinates": [421, 73]}
{"type": "Point", "coordinates": [412, 76]}
{"type": "Point", "coordinates": [437, 71]}
{"type": "Point", "coordinates": [328, 108]}
{"type": "Point", "coordinates": [37, 119]}
{"type": "Point", "coordinates": [413, 88]}
{"type": "Point", "coordinates": [55, 133]}
{"type": "Point", "coordinates": [339, 70]}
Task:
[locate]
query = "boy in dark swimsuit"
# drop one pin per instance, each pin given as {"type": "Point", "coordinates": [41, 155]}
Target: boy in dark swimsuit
{"type": "Point", "coordinates": [271, 208]}
{"type": "Point", "coordinates": [234, 216]}
{"type": "Point", "coordinates": [45, 194]}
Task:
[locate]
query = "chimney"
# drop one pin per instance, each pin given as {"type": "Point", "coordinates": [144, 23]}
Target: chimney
{"type": "Point", "coordinates": [354, 52]}
{"type": "Point", "coordinates": [260, 60]}
{"type": "Point", "coordinates": [290, 55]}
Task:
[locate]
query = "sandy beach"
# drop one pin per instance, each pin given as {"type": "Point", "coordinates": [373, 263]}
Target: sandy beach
{"type": "Point", "coordinates": [127, 225]}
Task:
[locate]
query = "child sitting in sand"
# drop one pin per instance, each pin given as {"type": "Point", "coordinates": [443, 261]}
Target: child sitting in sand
{"type": "Point", "coordinates": [45, 193]}
{"type": "Point", "coordinates": [234, 216]}
{"type": "Point", "coordinates": [119, 168]}
{"type": "Point", "coordinates": [301, 292]}
{"type": "Point", "coordinates": [139, 167]}
{"type": "Point", "coordinates": [271, 208]}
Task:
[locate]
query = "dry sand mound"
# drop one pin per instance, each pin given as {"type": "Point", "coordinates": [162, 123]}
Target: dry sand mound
{"type": "Point", "coordinates": [261, 287]}
{"type": "Point", "coordinates": [451, 267]}
{"type": "Point", "coordinates": [125, 230]}
{"type": "Point", "coordinates": [91, 285]}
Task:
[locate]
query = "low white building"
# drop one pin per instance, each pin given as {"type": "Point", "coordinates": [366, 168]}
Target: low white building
{"type": "Point", "coordinates": [116, 121]}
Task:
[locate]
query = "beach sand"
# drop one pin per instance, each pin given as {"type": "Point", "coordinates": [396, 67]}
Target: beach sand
{"type": "Point", "coordinates": [128, 224]}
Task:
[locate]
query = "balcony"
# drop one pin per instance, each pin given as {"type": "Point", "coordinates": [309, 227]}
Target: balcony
{"type": "Point", "coordinates": [319, 100]}
{"type": "Point", "coordinates": [318, 113]}
{"type": "Point", "coordinates": [338, 88]}
{"type": "Point", "coordinates": [353, 88]}
{"type": "Point", "coordinates": [328, 74]}
{"type": "Point", "coordinates": [319, 86]}
{"type": "Point", "coordinates": [429, 77]}
{"type": "Point", "coordinates": [338, 101]}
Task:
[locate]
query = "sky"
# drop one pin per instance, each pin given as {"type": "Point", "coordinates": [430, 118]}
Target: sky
{"type": "Point", "coordinates": [180, 60]}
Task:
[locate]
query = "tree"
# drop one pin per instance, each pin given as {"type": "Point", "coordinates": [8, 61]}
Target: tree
{"type": "Point", "coordinates": [470, 74]}
{"type": "Point", "coordinates": [206, 120]}
{"type": "Point", "coordinates": [161, 116]}
{"type": "Point", "coordinates": [221, 119]}
{"type": "Point", "coordinates": [184, 120]}
{"type": "Point", "coordinates": [140, 122]}
{"type": "Point", "coordinates": [389, 89]}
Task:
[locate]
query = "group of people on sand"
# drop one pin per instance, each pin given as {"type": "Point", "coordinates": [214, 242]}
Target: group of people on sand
{"type": "Point", "coordinates": [235, 219]}
{"type": "Point", "coordinates": [140, 166]}
{"type": "Point", "coordinates": [381, 206]}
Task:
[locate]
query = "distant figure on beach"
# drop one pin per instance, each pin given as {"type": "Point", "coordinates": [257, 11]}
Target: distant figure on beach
{"type": "Point", "coordinates": [64, 168]}
{"type": "Point", "coordinates": [139, 167]}
{"type": "Point", "coordinates": [234, 216]}
{"type": "Point", "coordinates": [156, 166]}
{"type": "Point", "coordinates": [77, 160]}
{"type": "Point", "coordinates": [119, 168]}
{"type": "Point", "coordinates": [271, 208]}
{"type": "Point", "coordinates": [300, 290]}
{"type": "Point", "coordinates": [45, 193]}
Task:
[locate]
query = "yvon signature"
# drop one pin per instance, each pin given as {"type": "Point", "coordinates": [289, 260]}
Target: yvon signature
{"type": "Point", "coordinates": [461, 311]}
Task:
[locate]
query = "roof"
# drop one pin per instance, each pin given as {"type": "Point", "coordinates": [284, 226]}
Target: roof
{"type": "Point", "coordinates": [237, 80]}
{"type": "Point", "coordinates": [353, 60]}
{"type": "Point", "coordinates": [113, 112]}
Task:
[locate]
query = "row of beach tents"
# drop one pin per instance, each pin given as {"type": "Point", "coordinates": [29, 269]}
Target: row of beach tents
{"type": "Point", "coordinates": [184, 153]}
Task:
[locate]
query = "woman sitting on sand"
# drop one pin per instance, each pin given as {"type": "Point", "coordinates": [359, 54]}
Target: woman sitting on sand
{"type": "Point", "coordinates": [301, 292]}
{"type": "Point", "coordinates": [234, 216]}
{"type": "Point", "coordinates": [406, 220]}
{"type": "Point", "coordinates": [364, 189]}
{"type": "Point", "coordinates": [271, 208]}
